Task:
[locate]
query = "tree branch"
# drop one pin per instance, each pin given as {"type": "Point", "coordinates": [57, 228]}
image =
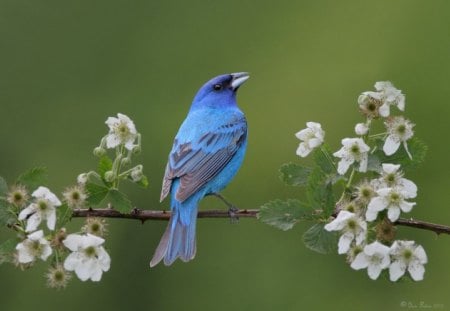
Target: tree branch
{"type": "Point", "coordinates": [144, 215]}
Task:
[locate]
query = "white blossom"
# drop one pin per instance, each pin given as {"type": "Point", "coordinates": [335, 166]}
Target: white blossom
{"type": "Point", "coordinates": [389, 96]}
{"type": "Point", "coordinates": [88, 258]}
{"type": "Point", "coordinates": [391, 177]}
{"type": "Point", "coordinates": [361, 129]}
{"type": "Point", "coordinates": [35, 245]}
{"type": "Point", "coordinates": [400, 130]}
{"type": "Point", "coordinates": [43, 208]}
{"type": "Point", "coordinates": [352, 228]}
{"type": "Point", "coordinates": [121, 131]}
{"type": "Point", "coordinates": [374, 257]}
{"type": "Point", "coordinates": [369, 104]}
{"type": "Point", "coordinates": [353, 150]}
{"type": "Point", "coordinates": [311, 137]}
{"type": "Point", "coordinates": [407, 255]}
{"type": "Point", "coordinates": [392, 199]}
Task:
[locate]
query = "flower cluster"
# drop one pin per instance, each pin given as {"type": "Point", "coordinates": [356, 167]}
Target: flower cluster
{"type": "Point", "coordinates": [126, 140]}
{"type": "Point", "coordinates": [39, 218]}
{"type": "Point", "coordinates": [87, 256]}
{"type": "Point", "coordinates": [366, 213]}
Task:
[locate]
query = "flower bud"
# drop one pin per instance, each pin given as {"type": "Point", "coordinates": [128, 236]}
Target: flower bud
{"type": "Point", "coordinates": [136, 149]}
{"type": "Point", "coordinates": [110, 176]}
{"type": "Point", "coordinates": [136, 173]}
{"type": "Point", "coordinates": [99, 152]}
{"type": "Point", "coordinates": [82, 178]}
{"type": "Point", "coordinates": [361, 129]}
{"type": "Point", "coordinates": [125, 161]}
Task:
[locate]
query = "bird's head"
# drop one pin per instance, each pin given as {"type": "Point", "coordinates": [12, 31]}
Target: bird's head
{"type": "Point", "coordinates": [219, 91]}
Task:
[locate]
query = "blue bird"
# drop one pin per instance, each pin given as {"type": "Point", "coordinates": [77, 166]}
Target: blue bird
{"type": "Point", "coordinates": [207, 152]}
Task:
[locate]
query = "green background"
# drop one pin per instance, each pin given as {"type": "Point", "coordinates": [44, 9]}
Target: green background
{"type": "Point", "coordinates": [65, 66]}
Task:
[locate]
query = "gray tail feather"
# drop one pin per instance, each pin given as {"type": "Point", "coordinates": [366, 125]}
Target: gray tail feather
{"type": "Point", "coordinates": [177, 241]}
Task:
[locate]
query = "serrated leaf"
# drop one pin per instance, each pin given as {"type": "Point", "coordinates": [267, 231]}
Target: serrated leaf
{"type": "Point", "coordinates": [3, 186]}
{"type": "Point", "coordinates": [416, 147]}
{"type": "Point", "coordinates": [64, 214]}
{"type": "Point", "coordinates": [294, 174]}
{"type": "Point", "coordinates": [324, 162]}
{"type": "Point", "coordinates": [96, 193]}
{"type": "Point", "coordinates": [284, 214]}
{"type": "Point", "coordinates": [320, 240]}
{"type": "Point", "coordinates": [33, 178]}
{"type": "Point", "coordinates": [119, 201]}
{"type": "Point", "coordinates": [7, 249]}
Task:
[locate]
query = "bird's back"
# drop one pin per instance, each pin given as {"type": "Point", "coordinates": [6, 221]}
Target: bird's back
{"type": "Point", "coordinates": [208, 141]}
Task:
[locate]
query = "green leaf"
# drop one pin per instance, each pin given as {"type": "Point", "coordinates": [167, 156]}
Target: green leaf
{"type": "Point", "coordinates": [323, 161]}
{"type": "Point", "coordinates": [6, 217]}
{"type": "Point", "coordinates": [96, 193]}
{"type": "Point", "coordinates": [105, 164]}
{"type": "Point", "coordinates": [3, 186]}
{"type": "Point", "coordinates": [64, 214]}
{"type": "Point", "coordinates": [33, 178]}
{"type": "Point", "coordinates": [284, 214]}
{"type": "Point", "coordinates": [416, 147]}
{"type": "Point", "coordinates": [320, 240]}
{"type": "Point", "coordinates": [328, 201]}
{"type": "Point", "coordinates": [7, 251]}
{"type": "Point", "coordinates": [294, 174]}
{"type": "Point", "coordinates": [119, 201]}
{"type": "Point", "coordinates": [143, 182]}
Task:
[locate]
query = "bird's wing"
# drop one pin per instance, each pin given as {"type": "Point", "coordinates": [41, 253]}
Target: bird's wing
{"type": "Point", "coordinates": [198, 161]}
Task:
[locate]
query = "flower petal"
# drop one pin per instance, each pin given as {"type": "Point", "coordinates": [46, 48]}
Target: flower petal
{"type": "Point", "coordinates": [51, 219]}
{"type": "Point", "coordinates": [360, 262]}
{"type": "Point", "coordinates": [46, 251]}
{"type": "Point", "coordinates": [344, 242]}
{"type": "Point", "coordinates": [373, 271]}
{"type": "Point", "coordinates": [393, 213]}
{"type": "Point", "coordinates": [33, 222]}
{"type": "Point", "coordinates": [420, 254]}
{"type": "Point", "coordinates": [384, 110]}
{"type": "Point", "coordinates": [23, 255]}
{"type": "Point", "coordinates": [112, 141]}
{"type": "Point", "coordinates": [406, 206]}
{"type": "Point", "coordinates": [27, 211]}
{"type": "Point", "coordinates": [303, 150]}
{"type": "Point", "coordinates": [73, 242]}
{"type": "Point", "coordinates": [416, 270]}
{"type": "Point", "coordinates": [391, 145]}
{"type": "Point", "coordinates": [72, 261]}
{"type": "Point", "coordinates": [396, 270]}
{"type": "Point", "coordinates": [344, 164]}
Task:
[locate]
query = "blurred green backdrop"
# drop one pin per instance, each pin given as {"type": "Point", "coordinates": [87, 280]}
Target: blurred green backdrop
{"type": "Point", "coordinates": [65, 66]}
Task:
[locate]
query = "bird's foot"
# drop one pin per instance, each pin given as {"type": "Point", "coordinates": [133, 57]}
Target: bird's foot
{"type": "Point", "coordinates": [232, 210]}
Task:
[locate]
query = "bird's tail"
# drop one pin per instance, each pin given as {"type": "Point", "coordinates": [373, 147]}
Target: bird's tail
{"type": "Point", "coordinates": [179, 238]}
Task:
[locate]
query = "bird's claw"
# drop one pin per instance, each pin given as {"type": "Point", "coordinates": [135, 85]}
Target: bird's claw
{"type": "Point", "coordinates": [232, 212]}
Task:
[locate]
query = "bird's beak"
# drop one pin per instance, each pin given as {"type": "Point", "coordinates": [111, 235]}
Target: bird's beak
{"type": "Point", "coordinates": [238, 79]}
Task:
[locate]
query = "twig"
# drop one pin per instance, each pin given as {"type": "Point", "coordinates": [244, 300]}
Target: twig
{"type": "Point", "coordinates": [144, 215]}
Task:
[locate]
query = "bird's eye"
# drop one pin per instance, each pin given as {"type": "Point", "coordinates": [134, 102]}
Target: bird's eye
{"type": "Point", "coordinates": [217, 87]}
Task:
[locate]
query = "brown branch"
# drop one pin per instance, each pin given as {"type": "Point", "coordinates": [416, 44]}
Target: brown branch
{"type": "Point", "coordinates": [144, 215]}
{"type": "Point", "coordinates": [423, 225]}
